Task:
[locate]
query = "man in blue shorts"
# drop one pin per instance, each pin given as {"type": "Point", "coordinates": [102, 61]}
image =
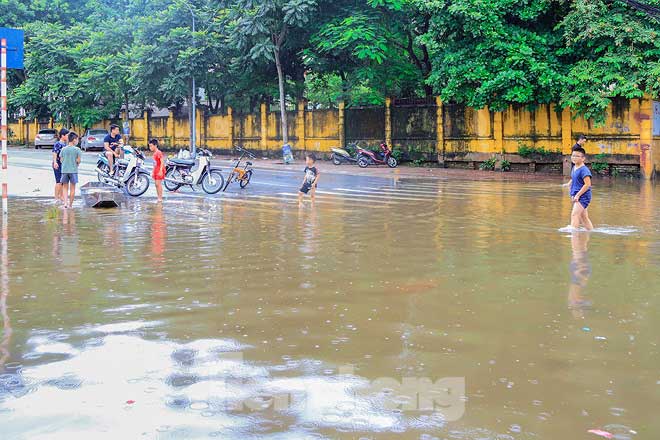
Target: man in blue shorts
{"type": "Point", "coordinates": [580, 185]}
{"type": "Point", "coordinates": [57, 163]}
{"type": "Point", "coordinates": [71, 156]}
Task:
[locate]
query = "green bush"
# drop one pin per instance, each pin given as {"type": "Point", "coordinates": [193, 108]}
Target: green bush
{"type": "Point", "coordinates": [599, 164]}
{"type": "Point", "coordinates": [488, 164]}
{"type": "Point", "coordinates": [505, 165]}
{"type": "Point", "coordinates": [351, 148]}
{"type": "Point", "coordinates": [527, 151]}
{"type": "Point", "coordinates": [397, 154]}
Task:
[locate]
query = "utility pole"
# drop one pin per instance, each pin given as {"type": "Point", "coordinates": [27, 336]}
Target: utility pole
{"type": "Point", "coordinates": [3, 127]}
{"type": "Point", "coordinates": [193, 104]}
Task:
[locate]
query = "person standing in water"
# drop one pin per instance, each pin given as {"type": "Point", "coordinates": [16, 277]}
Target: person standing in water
{"type": "Point", "coordinates": [57, 163]}
{"type": "Point", "coordinates": [158, 173]}
{"type": "Point", "coordinates": [580, 190]}
{"type": "Point", "coordinates": [310, 180]}
{"type": "Point", "coordinates": [71, 156]}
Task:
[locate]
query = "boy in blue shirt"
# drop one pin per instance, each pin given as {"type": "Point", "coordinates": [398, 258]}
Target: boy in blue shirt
{"type": "Point", "coordinates": [70, 156]}
{"type": "Point", "coordinates": [57, 163]}
{"type": "Point", "coordinates": [580, 190]}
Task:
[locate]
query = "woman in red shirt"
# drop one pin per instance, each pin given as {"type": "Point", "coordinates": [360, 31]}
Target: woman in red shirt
{"type": "Point", "coordinates": [159, 168]}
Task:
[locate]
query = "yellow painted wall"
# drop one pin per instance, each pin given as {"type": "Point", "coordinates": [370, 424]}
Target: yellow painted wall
{"type": "Point", "coordinates": [620, 133]}
{"type": "Point", "coordinates": [14, 135]}
{"type": "Point", "coordinates": [274, 130]}
{"type": "Point", "coordinates": [321, 130]}
{"type": "Point", "coordinates": [181, 132]}
{"type": "Point", "coordinates": [246, 131]}
{"type": "Point", "coordinates": [462, 130]}
{"type": "Point", "coordinates": [138, 132]}
{"type": "Point", "coordinates": [538, 128]}
{"type": "Point", "coordinates": [158, 129]}
{"type": "Point", "coordinates": [217, 131]}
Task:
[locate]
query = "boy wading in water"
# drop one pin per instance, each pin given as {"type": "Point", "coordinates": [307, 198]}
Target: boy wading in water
{"type": "Point", "coordinates": [158, 173]}
{"type": "Point", "coordinates": [310, 180]}
{"type": "Point", "coordinates": [57, 164]}
{"type": "Point", "coordinates": [580, 187]}
{"type": "Point", "coordinates": [70, 156]}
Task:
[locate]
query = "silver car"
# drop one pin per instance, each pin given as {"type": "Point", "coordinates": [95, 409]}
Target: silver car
{"type": "Point", "coordinates": [46, 138]}
{"type": "Point", "coordinates": [93, 139]}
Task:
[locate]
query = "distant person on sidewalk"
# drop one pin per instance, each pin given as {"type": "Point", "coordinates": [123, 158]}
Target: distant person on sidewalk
{"type": "Point", "coordinates": [581, 140]}
{"type": "Point", "coordinates": [71, 156]}
{"type": "Point", "coordinates": [112, 144]}
{"type": "Point", "coordinates": [57, 163]}
{"type": "Point", "coordinates": [311, 178]}
{"type": "Point", "coordinates": [580, 190]}
{"type": "Point", "coordinates": [158, 173]}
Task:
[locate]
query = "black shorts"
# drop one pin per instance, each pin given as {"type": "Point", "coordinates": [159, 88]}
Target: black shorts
{"type": "Point", "coordinates": [306, 187]}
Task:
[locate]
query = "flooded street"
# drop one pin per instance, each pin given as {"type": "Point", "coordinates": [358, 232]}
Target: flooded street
{"type": "Point", "coordinates": [415, 309]}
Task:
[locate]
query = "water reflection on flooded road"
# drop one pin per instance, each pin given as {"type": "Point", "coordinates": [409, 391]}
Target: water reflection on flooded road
{"type": "Point", "coordinates": [448, 310]}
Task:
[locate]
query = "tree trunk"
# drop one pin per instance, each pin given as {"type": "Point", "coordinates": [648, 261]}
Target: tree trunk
{"type": "Point", "coordinates": [126, 104]}
{"type": "Point", "coordinates": [280, 81]}
{"type": "Point", "coordinates": [191, 117]}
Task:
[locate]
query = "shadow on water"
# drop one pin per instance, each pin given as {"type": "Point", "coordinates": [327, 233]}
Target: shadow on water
{"type": "Point", "coordinates": [580, 269]}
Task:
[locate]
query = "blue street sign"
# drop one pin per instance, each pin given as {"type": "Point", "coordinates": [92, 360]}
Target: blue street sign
{"type": "Point", "coordinates": [14, 47]}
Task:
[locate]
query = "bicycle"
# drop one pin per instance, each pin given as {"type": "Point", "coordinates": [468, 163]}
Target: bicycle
{"type": "Point", "coordinates": [242, 175]}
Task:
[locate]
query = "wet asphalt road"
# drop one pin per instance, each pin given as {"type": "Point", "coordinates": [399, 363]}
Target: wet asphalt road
{"type": "Point", "coordinates": [265, 183]}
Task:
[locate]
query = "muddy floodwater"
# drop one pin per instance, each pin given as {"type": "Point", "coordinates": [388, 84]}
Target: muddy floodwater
{"type": "Point", "coordinates": [415, 309]}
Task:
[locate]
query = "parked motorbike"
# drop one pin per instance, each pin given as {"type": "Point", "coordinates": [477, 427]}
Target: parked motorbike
{"type": "Point", "coordinates": [194, 171]}
{"type": "Point", "coordinates": [367, 157]}
{"type": "Point", "coordinates": [241, 175]}
{"type": "Point", "coordinates": [128, 172]}
{"type": "Point", "coordinates": [340, 155]}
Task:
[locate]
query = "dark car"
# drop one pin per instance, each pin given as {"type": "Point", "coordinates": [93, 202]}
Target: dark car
{"type": "Point", "coordinates": [93, 139]}
{"type": "Point", "coordinates": [46, 138]}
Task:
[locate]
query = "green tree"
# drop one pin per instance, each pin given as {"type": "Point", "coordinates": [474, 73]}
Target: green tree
{"type": "Point", "coordinates": [495, 53]}
{"type": "Point", "coordinates": [51, 64]}
{"type": "Point", "coordinates": [261, 29]}
{"type": "Point", "coordinates": [614, 51]}
{"type": "Point", "coordinates": [373, 44]}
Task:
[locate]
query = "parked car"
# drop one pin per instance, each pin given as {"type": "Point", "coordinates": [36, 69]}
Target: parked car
{"type": "Point", "coordinates": [93, 139]}
{"type": "Point", "coordinates": [46, 138]}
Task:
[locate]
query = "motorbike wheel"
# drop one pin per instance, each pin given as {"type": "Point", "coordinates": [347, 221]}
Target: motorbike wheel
{"type": "Point", "coordinates": [212, 182]}
{"type": "Point", "coordinates": [137, 184]}
{"type": "Point", "coordinates": [391, 162]}
{"type": "Point", "coordinates": [172, 173]}
{"type": "Point", "coordinates": [100, 176]}
{"type": "Point", "coordinates": [363, 162]}
{"type": "Point", "coordinates": [246, 179]}
{"type": "Point", "coordinates": [229, 179]}
{"type": "Point", "coordinates": [335, 159]}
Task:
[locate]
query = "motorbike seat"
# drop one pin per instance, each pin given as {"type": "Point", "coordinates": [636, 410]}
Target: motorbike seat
{"type": "Point", "coordinates": [183, 161]}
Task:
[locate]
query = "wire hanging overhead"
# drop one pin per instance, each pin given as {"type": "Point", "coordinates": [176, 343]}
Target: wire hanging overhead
{"type": "Point", "coordinates": [646, 8]}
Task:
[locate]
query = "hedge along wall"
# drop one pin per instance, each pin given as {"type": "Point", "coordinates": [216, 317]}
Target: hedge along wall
{"type": "Point", "coordinates": [452, 134]}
